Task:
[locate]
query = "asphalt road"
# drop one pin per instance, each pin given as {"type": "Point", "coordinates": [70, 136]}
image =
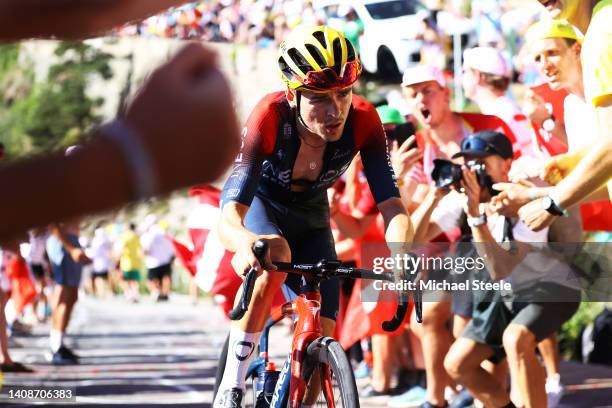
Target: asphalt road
{"type": "Point", "coordinates": [145, 354]}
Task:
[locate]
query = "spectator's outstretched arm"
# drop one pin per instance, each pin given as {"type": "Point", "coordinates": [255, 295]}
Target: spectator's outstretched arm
{"type": "Point", "coordinates": [586, 180]}
{"type": "Point", "coordinates": [72, 19]}
{"type": "Point", "coordinates": [595, 169]}
{"type": "Point", "coordinates": [181, 130]}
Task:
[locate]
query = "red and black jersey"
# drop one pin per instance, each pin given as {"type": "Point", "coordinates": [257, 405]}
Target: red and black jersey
{"type": "Point", "coordinates": [270, 145]}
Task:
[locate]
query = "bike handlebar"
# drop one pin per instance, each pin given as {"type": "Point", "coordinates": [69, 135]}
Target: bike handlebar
{"type": "Point", "coordinates": [326, 269]}
{"type": "Point", "coordinates": [259, 249]}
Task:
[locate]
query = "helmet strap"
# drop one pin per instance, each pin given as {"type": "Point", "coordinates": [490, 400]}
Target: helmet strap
{"type": "Point", "coordinates": [298, 96]}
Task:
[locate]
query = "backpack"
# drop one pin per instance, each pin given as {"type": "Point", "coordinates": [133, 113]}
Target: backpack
{"type": "Point", "coordinates": [597, 340]}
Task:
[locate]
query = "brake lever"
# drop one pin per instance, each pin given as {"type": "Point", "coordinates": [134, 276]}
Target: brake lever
{"type": "Point", "coordinates": [259, 249]}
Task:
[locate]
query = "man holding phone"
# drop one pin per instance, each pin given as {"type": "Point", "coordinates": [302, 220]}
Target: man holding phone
{"type": "Point", "coordinates": [440, 135]}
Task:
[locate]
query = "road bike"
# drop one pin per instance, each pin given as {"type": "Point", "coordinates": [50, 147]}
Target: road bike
{"type": "Point", "coordinates": [313, 356]}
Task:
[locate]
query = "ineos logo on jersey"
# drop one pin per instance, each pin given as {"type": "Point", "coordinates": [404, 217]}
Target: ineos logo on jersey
{"type": "Point", "coordinates": [243, 349]}
{"type": "Point", "coordinates": [242, 137]}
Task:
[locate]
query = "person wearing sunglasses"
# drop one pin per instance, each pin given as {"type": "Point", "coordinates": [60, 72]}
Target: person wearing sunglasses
{"type": "Point", "coordinates": [296, 144]}
{"type": "Point", "coordinates": [500, 327]}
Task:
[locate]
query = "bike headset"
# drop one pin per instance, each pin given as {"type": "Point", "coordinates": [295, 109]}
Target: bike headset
{"type": "Point", "coordinates": [319, 59]}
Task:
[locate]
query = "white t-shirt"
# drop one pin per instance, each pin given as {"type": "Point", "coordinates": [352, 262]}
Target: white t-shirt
{"type": "Point", "coordinates": [537, 266]}
{"type": "Point", "coordinates": [37, 249]}
{"type": "Point", "coordinates": [508, 111]}
{"type": "Point", "coordinates": [579, 123]}
{"type": "Point", "coordinates": [157, 247]}
{"type": "Point", "coordinates": [100, 252]}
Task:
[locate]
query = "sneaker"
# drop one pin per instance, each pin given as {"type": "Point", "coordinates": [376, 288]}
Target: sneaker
{"type": "Point", "coordinates": [413, 398]}
{"type": "Point", "coordinates": [463, 400]}
{"type": "Point", "coordinates": [231, 398]}
{"type": "Point", "coordinates": [370, 392]}
{"type": "Point", "coordinates": [362, 370]}
{"type": "Point", "coordinates": [64, 356]}
{"type": "Point", "coordinates": [554, 391]}
{"type": "Point", "coordinates": [428, 404]}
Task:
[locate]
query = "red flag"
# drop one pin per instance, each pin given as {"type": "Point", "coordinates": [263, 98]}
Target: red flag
{"type": "Point", "coordinates": [23, 289]}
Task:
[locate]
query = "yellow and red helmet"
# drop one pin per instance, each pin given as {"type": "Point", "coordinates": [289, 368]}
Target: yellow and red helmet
{"type": "Point", "coordinates": [318, 58]}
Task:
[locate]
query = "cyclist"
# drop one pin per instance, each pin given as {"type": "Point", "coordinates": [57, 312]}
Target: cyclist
{"type": "Point", "coordinates": [295, 145]}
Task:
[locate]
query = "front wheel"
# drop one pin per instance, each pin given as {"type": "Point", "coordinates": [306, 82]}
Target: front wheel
{"type": "Point", "coordinates": [328, 352]}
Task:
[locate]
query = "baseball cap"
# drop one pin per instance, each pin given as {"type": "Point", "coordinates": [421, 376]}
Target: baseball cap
{"type": "Point", "coordinates": [423, 73]}
{"type": "Point", "coordinates": [389, 115]}
{"type": "Point", "coordinates": [487, 60]}
{"type": "Point", "coordinates": [486, 143]}
{"type": "Point", "coordinates": [550, 28]}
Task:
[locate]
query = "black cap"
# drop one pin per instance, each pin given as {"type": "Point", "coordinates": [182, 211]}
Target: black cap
{"type": "Point", "coordinates": [486, 143]}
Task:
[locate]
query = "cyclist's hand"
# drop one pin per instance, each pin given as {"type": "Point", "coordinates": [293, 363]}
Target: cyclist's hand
{"type": "Point", "coordinates": [558, 167]}
{"type": "Point", "coordinates": [244, 259]}
{"type": "Point", "coordinates": [333, 196]}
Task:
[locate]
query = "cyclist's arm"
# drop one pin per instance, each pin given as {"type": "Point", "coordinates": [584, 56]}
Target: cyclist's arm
{"type": "Point", "coordinates": [398, 227]}
{"type": "Point", "coordinates": [72, 19]}
{"type": "Point", "coordinates": [232, 232]}
{"type": "Point", "coordinates": [258, 138]}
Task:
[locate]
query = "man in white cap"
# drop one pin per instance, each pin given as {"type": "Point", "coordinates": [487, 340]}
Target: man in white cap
{"type": "Point", "coordinates": [441, 129]}
{"type": "Point", "coordinates": [486, 79]}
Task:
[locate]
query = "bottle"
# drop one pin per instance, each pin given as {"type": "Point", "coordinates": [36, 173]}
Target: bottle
{"type": "Point", "coordinates": [267, 384]}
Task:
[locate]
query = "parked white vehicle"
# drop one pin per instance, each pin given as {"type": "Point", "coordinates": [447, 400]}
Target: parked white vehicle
{"type": "Point", "coordinates": [388, 45]}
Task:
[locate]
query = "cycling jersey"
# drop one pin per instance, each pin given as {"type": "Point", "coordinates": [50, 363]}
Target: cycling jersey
{"type": "Point", "coordinates": [270, 146]}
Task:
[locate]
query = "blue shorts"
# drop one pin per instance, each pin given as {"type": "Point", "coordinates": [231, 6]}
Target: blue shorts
{"type": "Point", "coordinates": [306, 228]}
{"type": "Point", "coordinates": [64, 270]}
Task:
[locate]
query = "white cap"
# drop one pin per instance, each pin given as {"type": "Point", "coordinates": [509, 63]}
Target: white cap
{"type": "Point", "coordinates": [423, 73]}
{"type": "Point", "coordinates": [487, 60]}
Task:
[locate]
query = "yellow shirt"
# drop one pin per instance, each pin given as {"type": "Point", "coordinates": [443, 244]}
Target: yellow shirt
{"type": "Point", "coordinates": [596, 58]}
{"type": "Point", "coordinates": [131, 252]}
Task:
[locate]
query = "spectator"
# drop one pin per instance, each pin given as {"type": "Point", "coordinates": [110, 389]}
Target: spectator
{"type": "Point", "coordinates": [486, 80]}
{"type": "Point", "coordinates": [100, 252]}
{"type": "Point", "coordinates": [586, 174]}
{"type": "Point", "coordinates": [159, 254]}
{"type": "Point", "coordinates": [67, 258]}
{"type": "Point", "coordinates": [130, 262]}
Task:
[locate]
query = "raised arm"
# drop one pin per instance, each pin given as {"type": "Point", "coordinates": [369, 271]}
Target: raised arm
{"type": "Point", "coordinates": [72, 19]}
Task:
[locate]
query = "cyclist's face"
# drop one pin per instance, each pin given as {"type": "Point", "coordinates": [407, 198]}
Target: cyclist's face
{"type": "Point", "coordinates": [557, 61]}
{"type": "Point", "coordinates": [561, 8]}
{"type": "Point", "coordinates": [325, 113]}
{"type": "Point", "coordinates": [429, 101]}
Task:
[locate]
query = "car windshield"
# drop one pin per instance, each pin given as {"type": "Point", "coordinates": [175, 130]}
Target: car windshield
{"type": "Point", "coordinates": [391, 9]}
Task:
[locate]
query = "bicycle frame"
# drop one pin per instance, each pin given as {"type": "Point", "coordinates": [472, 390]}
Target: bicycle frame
{"type": "Point", "coordinates": [307, 329]}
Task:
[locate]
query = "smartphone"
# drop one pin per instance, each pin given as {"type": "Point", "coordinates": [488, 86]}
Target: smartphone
{"type": "Point", "coordinates": [401, 133]}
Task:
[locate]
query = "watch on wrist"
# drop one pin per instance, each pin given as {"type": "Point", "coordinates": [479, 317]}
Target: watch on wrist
{"type": "Point", "coordinates": [549, 204]}
{"type": "Point", "coordinates": [477, 221]}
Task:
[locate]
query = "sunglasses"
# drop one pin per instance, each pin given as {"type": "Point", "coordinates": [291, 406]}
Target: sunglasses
{"type": "Point", "coordinates": [328, 80]}
{"type": "Point", "coordinates": [479, 145]}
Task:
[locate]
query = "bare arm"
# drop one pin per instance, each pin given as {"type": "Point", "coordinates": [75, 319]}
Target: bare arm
{"type": "Point", "coordinates": [595, 169]}
{"type": "Point", "coordinates": [398, 227]}
{"type": "Point", "coordinates": [72, 19]}
{"type": "Point", "coordinates": [351, 226]}
{"type": "Point", "coordinates": [232, 231]}
{"type": "Point", "coordinates": [182, 97]}
{"type": "Point", "coordinates": [424, 229]}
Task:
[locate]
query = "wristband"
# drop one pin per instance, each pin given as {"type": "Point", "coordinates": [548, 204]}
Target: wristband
{"type": "Point", "coordinates": [137, 158]}
{"type": "Point", "coordinates": [555, 200]}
